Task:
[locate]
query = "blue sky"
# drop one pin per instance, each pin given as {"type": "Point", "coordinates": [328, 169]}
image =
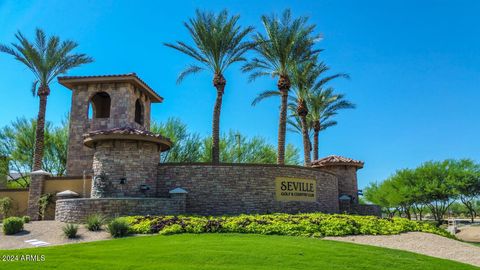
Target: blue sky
{"type": "Point", "coordinates": [415, 68]}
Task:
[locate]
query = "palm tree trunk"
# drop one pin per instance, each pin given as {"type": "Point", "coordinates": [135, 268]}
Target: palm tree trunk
{"type": "Point", "coordinates": [283, 85]}
{"type": "Point", "coordinates": [219, 82]}
{"type": "Point", "coordinates": [316, 131]}
{"type": "Point", "coordinates": [43, 93]}
{"type": "Point", "coordinates": [315, 144]}
{"type": "Point", "coordinates": [306, 141]}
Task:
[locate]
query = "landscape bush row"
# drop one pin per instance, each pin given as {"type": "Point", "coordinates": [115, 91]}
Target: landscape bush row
{"type": "Point", "coordinates": [310, 225]}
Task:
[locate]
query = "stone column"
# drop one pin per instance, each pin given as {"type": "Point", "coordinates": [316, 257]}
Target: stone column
{"type": "Point", "coordinates": [37, 179]}
{"type": "Point", "coordinates": [179, 195]}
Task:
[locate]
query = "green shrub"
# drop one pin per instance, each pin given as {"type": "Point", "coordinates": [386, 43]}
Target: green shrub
{"type": "Point", "coordinates": [314, 224]}
{"type": "Point", "coordinates": [26, 219]}
{"type": "Point", "coordinates": [119, 227]}
{"type": "Point", "coordinates": [6, 204]}
{"type": "Point", "coordinates": [95, 222]}
{"type": "Point", "coordinates": [70, 230]}
{"type": "Point", "coordinates": [172, 229]}
{"type": "Point", "coordinates": [12, 225]}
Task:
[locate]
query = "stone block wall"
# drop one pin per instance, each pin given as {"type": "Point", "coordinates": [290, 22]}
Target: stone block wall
{"type": "Point", "coordinates": [122, 114]}
{"type": "Point", "coordinates": [77, 210]}
{"type": "Point", "coordinates": [244, 188]}
{"type": "Point", "coordinates": [37, 180]}
{"type": "Point", "coordinates": [347, 179]}
{"type": "Point", "coordinates": [132, 162]}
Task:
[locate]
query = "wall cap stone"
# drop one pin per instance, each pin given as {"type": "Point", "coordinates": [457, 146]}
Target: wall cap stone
{"type": "Point", "coordinates": [178, 191]}
{"type": "Point", "coordinates": [67, 194]}
{"type": "Point", "coordinates": [118, 199]}
{"type": "Point", "coordinates": [40, 172]}
{"type": "Point", "coordinates": [226, 165]}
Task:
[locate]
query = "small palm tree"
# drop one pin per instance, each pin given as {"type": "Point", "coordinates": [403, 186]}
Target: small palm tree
{"type": "Point", "coordinates": [288, 42]}
{"type": "Point", "coordinates": [46, 58]}
{"type": "Point", "coordinates": [219, 43]}
{"type": "Point", "coordinates": [303, 79]}
{"type": "Point", "coordinates": [311, 105]}
{"type": "Point", "coordinates": [324, 104]}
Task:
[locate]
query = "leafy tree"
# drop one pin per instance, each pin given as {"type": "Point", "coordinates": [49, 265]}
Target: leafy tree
{"type": "Point", "coordinates": [288, 42]}
{"type": "Point", "coordinates": [236, 148]}
{"type": "Point", "coordinates": [46, 58]}
{"type": "Point", "coordinates": [55, 160]}
{"type": "Point", "coordinates": [219, 43]}
{"type": "Point", "coordinates": [17, 143]}
{"type": "Point", "coordinates": [379, 194]}
{"type": "Point", "coordinates": [466, 176]}
{"type": "Point", "coordinates": [438, 186]}
{"type": "Point", "coordinates": [186, 146]}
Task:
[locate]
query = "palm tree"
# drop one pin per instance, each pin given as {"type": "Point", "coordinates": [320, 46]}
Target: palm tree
{"type": "Point", "coordinates": [312, 105]}
{"type": "Point", "coordinates": [219, 43]}
{"type": "Point", "coordinates": [46, 58]}
{"type": "Point", "coordinates": [287, 43]}
{"type": "Point", "coordinates": [324, 104]}
{"type": "Point", "coordinates": [303, 79]}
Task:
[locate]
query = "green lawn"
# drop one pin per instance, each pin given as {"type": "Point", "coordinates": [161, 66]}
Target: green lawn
{"type": "Point", "coordinates": [226, 251]}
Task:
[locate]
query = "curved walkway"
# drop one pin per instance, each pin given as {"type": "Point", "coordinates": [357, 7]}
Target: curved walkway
{"type": "Point", "coordinates": [47, 233]}
{"type": "Point", "coordinates": [423, 243]}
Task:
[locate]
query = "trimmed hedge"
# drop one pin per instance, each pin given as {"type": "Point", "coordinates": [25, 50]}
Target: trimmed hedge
{"type": "Point", "coordinates": [310, 225]}
{"type": "Point", "coordinates": [12, 225]}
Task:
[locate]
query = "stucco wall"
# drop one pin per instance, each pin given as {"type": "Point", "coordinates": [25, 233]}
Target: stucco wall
{"type": "Point", "coordinates": [244, 188]}
{"type": "Point", "coordinates": [76, 184]}
{"type": "Point", "coordinates": [19, 198]}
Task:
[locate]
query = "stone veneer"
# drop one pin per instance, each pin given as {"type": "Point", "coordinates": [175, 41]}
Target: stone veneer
{"type": "Point", "coordinates": [347, 179]}
{"type": "Point", "coordinates": [77, 210]}
{"type": "Point", "coordinates": [132, 162]}
{"type": "Point", "coordinates": [37, 180]}
{"type": "Point", "coordinates": [122, 114]}
{"type": "Point", "coordinates": [244, 188]}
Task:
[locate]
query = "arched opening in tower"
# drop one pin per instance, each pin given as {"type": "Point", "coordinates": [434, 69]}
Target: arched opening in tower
{"type": "Point", "coordinates": [99, 106]}
{"type": "Point", "coordinates": [139, 112]}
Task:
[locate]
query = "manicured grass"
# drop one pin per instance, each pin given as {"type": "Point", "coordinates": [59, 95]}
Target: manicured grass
{"type": "Point", "coordinates": [226, 251]}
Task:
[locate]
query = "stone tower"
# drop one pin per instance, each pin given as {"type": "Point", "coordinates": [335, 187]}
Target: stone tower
{"type": "Point", "coordinates": [103, 103]}
{"type": "Point", "coordinates": [346, 171]}
{"type": "Point", "coordinates": [110, 137]}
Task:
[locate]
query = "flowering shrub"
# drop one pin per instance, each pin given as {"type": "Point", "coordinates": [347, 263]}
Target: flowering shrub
{"type": "Point", "coordinates": [310, 225]}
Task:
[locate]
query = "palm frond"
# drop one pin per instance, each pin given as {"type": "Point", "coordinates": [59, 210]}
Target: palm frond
{"type": "Point", "coordinates": [264, 95]}
{"type": "Point", "coordinates": [46, 57]}
{"type": "Point", "coordinates": [192, 69]}
{"type": "Point", "coordinates": [218, 41]}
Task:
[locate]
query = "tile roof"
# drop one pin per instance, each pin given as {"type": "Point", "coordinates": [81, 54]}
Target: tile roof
{"type": "Point", "coordinates": [69, 81]}
{"type": "Point", "coordinates": [337, 160]}
{"type": "Point", "coordinates": [126, 131]}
